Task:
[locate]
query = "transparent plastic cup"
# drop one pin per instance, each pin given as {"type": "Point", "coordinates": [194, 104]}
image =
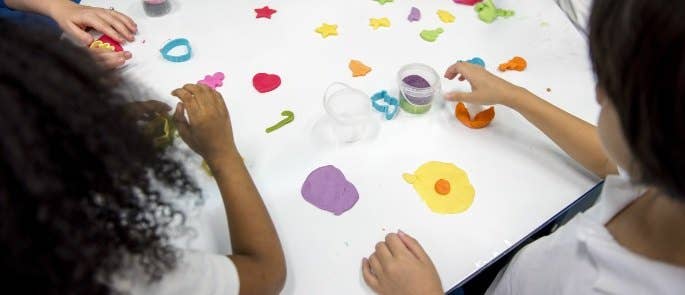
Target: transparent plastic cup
{"type": "Point", "coordinates": [349, 110]}
{"type": "Point", "coordinates": [156, 8]}
{"type": "Point", "coordinates": [419, 84]}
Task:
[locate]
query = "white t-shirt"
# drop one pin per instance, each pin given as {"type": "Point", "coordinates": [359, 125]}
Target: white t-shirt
{"type": "Point", "coordinates": [196, 273]}
{"type": "Point", "coordinates": [582, 257]}
{"type": "Point", "coordinates": [578, 11]}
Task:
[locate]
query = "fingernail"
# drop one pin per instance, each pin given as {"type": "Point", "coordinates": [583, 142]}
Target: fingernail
{"type": "Point", "coordinates": [401, 233]}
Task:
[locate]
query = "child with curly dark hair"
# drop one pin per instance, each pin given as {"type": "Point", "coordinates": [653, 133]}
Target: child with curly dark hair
{"type": "Point", "coordinates": [633, 240]}
{"type": "Point", "coordinates": [84, 202]}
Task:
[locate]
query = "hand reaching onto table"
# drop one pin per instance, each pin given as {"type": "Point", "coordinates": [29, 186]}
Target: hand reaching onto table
{"type": "Point", "coordinates": [208, 128]}
{"type": "Point", "coordinates": [401, 266]}
{"type": "Point", "coordinates": [487, 89]}
{"type": "Point", "coordinates": [75, 19]}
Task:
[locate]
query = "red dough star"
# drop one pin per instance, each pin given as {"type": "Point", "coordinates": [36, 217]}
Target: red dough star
{"type": "Point", "coordinates": [265, 12]}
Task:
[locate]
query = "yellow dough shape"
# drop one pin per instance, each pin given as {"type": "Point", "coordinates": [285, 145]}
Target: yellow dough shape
{"type": "Point", "coordinates": [443, 186]}
{"type": "Point", "coordinates": [103, 45]}
{"type": "Point", "coordinates": [379, 22]}
{"type": "Point", "coordinates": [445, 16]}
{"type": "Point", "coordinates": [327, 30]}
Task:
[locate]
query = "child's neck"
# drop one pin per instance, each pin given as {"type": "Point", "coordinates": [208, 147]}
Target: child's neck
{"type": "Point", "coordinates": [652, 226]}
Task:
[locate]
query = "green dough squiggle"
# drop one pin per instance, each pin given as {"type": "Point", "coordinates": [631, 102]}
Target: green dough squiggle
{"type": "Point", "coordinates": [289, 117]}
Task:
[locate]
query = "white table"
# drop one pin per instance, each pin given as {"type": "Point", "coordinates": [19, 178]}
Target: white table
{"type": "Point", "coordinates": [521, 178]}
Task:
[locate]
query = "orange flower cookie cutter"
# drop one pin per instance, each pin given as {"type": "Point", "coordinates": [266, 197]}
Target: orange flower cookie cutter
{"type": "Point", "coordinates": [517, 64]}
{"type": "Point", "coordinates": [481, 120]}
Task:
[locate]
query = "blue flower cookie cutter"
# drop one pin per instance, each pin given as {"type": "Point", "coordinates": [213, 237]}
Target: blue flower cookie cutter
{"type": "Point", "coordinates": [173, 44]}
{"type": "Point", "coordinates": [390, 106]}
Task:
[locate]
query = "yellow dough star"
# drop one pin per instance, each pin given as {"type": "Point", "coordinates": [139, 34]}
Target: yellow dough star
{"type": "Point", "coordinates": [327, 30]}
{"type": "Point", "coordinates": [379, 22]}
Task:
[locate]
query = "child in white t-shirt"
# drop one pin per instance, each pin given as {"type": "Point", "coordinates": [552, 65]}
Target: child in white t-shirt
{"type": "Point", "coordinates": [633, 240]}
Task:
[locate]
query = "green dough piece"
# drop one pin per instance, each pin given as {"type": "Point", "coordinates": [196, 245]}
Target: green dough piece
{"type": "Point", "coordinates": [431, 35]}
{"type": "Point", "coordinates": [382, 2]}
{"type": "Point", "coordinates": [162, 131]}
{"type": "Point", "coordinates": [289, 117]}
{"type": "Point", "coordinates": [488, 12]}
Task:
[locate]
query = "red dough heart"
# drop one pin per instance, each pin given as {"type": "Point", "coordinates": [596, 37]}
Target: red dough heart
{"type": "Point", "coordinates": [266, 82]}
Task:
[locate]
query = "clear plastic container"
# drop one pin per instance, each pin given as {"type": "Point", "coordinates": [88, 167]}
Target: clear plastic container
{"type": "Point", "coordinates": [350, 112]}
{"type": "Point", "coordinates": [419, 84]}
{"type": "Point", "coordinates": [156, 8]}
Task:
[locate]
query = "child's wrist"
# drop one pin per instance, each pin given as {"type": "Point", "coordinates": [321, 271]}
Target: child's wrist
{"type": "Point", "coordinates": [516, 98]}
{"type": "Point", "coordinates": [224, 160]}
{"type": "Point", "coordinates": [54, 8]}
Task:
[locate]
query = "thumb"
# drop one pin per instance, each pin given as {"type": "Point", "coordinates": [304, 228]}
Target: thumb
{"type": "Point", "coordinates": [459, 96]}
{"type": "Point", "coordinates": [181, 122]}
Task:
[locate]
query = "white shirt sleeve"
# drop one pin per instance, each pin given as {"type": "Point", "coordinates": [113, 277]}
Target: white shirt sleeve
{"type": "Point", "coordinates": [582, 257]}
{"type": "Point", "coordinates": [578, 12]}
{"type": "Point", "coordinates": [195, 273]}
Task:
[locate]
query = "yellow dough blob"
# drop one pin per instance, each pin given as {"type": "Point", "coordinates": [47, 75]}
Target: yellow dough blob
{"type": "Point", "coordinates": [444, 187]}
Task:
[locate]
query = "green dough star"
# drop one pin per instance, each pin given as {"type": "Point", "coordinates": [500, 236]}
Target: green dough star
{"type": "Point", "coordinates": [384, 1]}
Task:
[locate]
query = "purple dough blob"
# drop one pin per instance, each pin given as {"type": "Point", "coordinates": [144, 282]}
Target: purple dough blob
{"type": "Point", "coordinates": [414, 15]}
{"type": "Point", "coordinates": [418, 82]}
{"type": "Point", "coordinates": [327, 189]}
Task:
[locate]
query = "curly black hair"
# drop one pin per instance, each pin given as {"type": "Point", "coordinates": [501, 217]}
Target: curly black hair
{"type": "Point", "coordinates": [638, 53]}
{"type": "Point", "coordinates": [80, 183]}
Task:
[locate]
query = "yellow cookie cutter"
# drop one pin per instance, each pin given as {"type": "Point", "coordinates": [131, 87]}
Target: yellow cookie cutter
{"type": "Point", "coordinates": [103, 45]}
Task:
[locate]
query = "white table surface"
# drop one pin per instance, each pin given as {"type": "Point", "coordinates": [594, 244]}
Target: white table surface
{"type": "Point", "coordinates": [521, 178]}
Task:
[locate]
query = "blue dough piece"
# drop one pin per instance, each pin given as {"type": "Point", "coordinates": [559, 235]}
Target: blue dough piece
{"type": "Point", "coordinates": [477, 61]}
{"type": "Point", "coordinates": [391, 106]}
{"type": "Point", "coordinates": [173, 44]}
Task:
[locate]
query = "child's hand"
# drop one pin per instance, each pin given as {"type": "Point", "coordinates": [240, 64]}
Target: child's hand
{"type": "Point", "coordinates": [487, 89]}
{"type": "Point", "coordinates": [74, 19]}
{"type": "Point", "coordinates": [209, 131]}
{"type": "Point", "coordinates": [401, 266]}
{"type": "Point", "coordinates": [110, 59]}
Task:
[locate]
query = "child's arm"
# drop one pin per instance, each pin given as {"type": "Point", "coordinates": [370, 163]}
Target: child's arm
{"type": "Point", "coordinates": [257, 252]}
{"type": "Point", "coordinates": [74, 18]}
{"type": "Point", "coordinates": [576, 137]}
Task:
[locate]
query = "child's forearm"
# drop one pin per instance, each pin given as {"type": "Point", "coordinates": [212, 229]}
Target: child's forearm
{"type": "Point", "coordinates": [256, 248]}
{"type": "Point", "coordinates": [44, 7]}
{"type": "Point", "coordinates": [576, 137]}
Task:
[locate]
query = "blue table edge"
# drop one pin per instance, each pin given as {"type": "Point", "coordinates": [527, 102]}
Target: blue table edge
{"type": "Point", "coordinates": [525, 239]}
